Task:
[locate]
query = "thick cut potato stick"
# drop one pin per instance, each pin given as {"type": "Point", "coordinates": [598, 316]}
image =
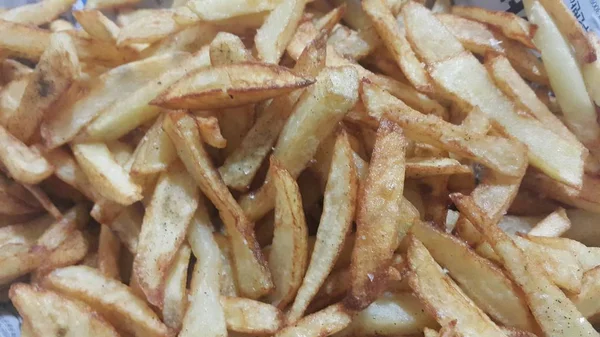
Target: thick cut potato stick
{"type": "Point", "coordinates": [109, 251]}
{"type": "Point", "coordinates": [540, 293]}
{"type": "Point", "coordinates": [491, 290]}
{"type": "Point", "coordinates": [163, 230]}
{"type": "Point", "coordinates": [320, 324]}
{"type": "Point", "coordinates": [24, 164]}
{"type": "Point", "coordinates": [377, 225]}
{"type": "Point", "coordinates": [249, 316]}
{"type": "Point", "coordinates": [97, 25]}
{"type": "Point", "coordinates": [108, 178]}
{"type": "Point", "coordinates": [215, 10]}
{"type": "Point", "coordinates": [510, 24]}
{"type": "Point", "coordinates": [443, 298]}
{"type": "Point", "coordinates": [230, 86]}
{"type": "Point", "coordinates": [111, 88]}
{"type": "Point", "coordinates": [135, 109]}
{"type": "Point", "coordinates": [205, 315]}
{"type": "Point", "coordinates": [241, 165]}
{"type": "Point", "coordinates": [156, 151]}
{"type": "Point", "coordinates": [565, 77]}
{"type": "Point", "coordinates": [47, 312]}
{"type": "Point", "coordinates": [554, 225]}
{"type": "Point", "coordinates": [394, 39]}
{"type": "Point", "coordinates": [37, 14]}
{"type": "Point", "coordinates": [272, 38]}
{"type": "Point", "coordinates": [109, 297]}
{"type": "Point", "coordinates": [247, 256]}
{"type": "Point", "coordinates": [500, 154]}
{"type": "Point", "coordinates": [338, 212]}
{"type": "Point", "coordinates": [289, 250]}
{"type": "Point", "coordinates": [448, 68]}
{"type": "Point", "coordinates": [176, 295]}
{"type": "Point", "coordinates": [319, 108]}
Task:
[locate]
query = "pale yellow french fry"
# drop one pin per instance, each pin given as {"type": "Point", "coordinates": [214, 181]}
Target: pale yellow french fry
{"type": "Point", "coordinates": [554, 225]}
{"type": "Point", "coordinates": [587, 299]}
{"type": "Point", "coordinates": [97, 25]}
{"type": "Point", "coordinates": [109, 249]}
{"type": "Point", "coordinates": [214, 10]}
{"type": "Point", "coordinates": [176, 296]}
{"type": "Point", "coordinates": [227, 48]}
{"type": "Point", "coordinates": [322, 323]}
{"type": "Point", "coordinates": [24, 164]}
{"type": "Point", "coordinates": [272, 38]}
{"type": "Point", "coordinates": [156, 151]}
{"type": "Point", "coordinates": [39, 13]}
{"type": "Point", "coordinates": [152, 28]}
{"type": "Point", "coordinates": [250, 316]}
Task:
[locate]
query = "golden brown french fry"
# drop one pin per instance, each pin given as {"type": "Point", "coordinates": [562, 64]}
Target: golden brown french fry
{"type": "Point", "coordinates": [249, 316]}
{"type": "Point", "coordinates": [394, 38]}
{"type": "Point", "coordinates": [241, 165]}
{"type": "Point", "coordinates": [273, 36]}
{"type": "Point", "coordinates": [419, 167]}
{"type": "Point", "coordinates": [109, 297]}
{"type": "Point", "coordinates": [500, 154]}
{"type": "Point", "coordinates": [215, 10]}
{"type": "Point", "coordinates": [338, 212]}
{"type": "Point", "coordinates": [210, 132]}
{"type": "Point", "coordinates": [563, 320]}
{"type": "Point", "coordinates": [109, 249]}
{"type": "Point", "coordinates": [156, 151]}
{"type": "Point", "coordinates": [247, 256]}
{"type": "Point", "coordinates": [322, 323]}
{"type": "Point", "coordinates": [289, 251]}
{"type": "Point", "coordinates": [497, 295]}
{"type": "Point", "coordinates": [378, 229]}
{"type": "Point", "coordinates": [24, 164]}
{"type": "Point", "coordinates": [97, 25]}
{"type": "Point", "coordinates": [479, 90]}
{"type": "Point", "coordinates": [320, 108]}
{"type": "Point", "coordinates": [442, 297]}
{"type": "Point", "coordinates": [46, 311]}
{"type": "Point", "coordinates": [111, 87]}
{"type": "Point", "coordinates": [176, 295]}
{"type": "Point", "coordinates": [11, 70]}
{"type": "Point", "coordinates": [204, 315]}
{"type": "Point", "coordinates": [157, 247]}
{"type": "Point", "coordinates": [510, 24]}
{"type": "Point", "coordinates": [230, 86]}
{"type": "Point", "coordinates": [588, 257]}
{"type": "Point", "coordinates": [37, 14]}
{"type": "Point", "coordinates": [554, 225]}
{"type": "Point", "coordinates": [105, 174]}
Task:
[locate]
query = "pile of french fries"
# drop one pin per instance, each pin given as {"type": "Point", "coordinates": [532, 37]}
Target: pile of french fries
{"type": "Point", "coordinates": [299, 168]}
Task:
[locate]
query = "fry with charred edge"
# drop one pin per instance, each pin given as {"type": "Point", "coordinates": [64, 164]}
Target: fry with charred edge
{"type": "Point", "coordinates": [54, 74]}
{"type": "Point", "coordinates": [163, 230]}
{"type": "Point", "coordinates": [510, 24]}
{"type": "Point", "coordinates": [273, 36]}
{"type": "Point", "coordinates": [540, 293]}
{"type": "Point", "coordinates": [249, 316]}
{"type": "Point", "coordinates": [289, 250]}
{"type": "Point", "coordinates": [176, 296]}
{"type": "Point", "coordinates": [205, 315]}
{"type": "Point", "coordinates": [24, 164]}
{"type": "Point", "coordinates": [45, 311]}
{"type": "Point", "coordinates": [320, 324]}
{"type": "Point", "coordinates": [394, 39]}
{"type": "Point", "coordinates": [443, 299]}
{"type": "Point", "coordinates": [241, 165]}
{"type": "Point", "coordinates": [377, 225]}
{"type": "Point", "coordinates": [319, 108]}
{"type": "Point", "coordinates": [338, 212]}
{"type": "Point", "coordinates": [230, 86]}
{"type": "Point", "coordinates": [500, 154]}
{"type": "Point", "coordinates": [247, 255]}
{"type": "Point", "coordinates": [103, 172]}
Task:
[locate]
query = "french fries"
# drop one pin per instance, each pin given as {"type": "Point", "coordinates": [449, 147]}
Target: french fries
{"type": "Point", "coordinates": [272, 38]}
{"type": "Point", "coordinates": [37, 14]}
{"type": "Point", "coordinates": [23, 163]}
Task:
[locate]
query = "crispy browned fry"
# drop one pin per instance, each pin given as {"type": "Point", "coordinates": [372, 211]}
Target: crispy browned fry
{"type": "Point", "coordinates": [246, 252]}
{"type": "Point", "coordinates": [448, 69]}
{"type": "Point", "coordinates": [319, 108]}
{"type": "Point", "coordinates": [39, 13]}
{"type": "Point", "coordinates": [289, 251]}
{"type": "Point", "coordinates": [563, 319]}
{"type": "Point", "coordinates": [210, 131]}
{"type": "Point", "coordinates": [109, 297]}
{"type": "Point", "coordinates": [501, 154]}
{"type": "Point", "coordinates": [378, 229]}
{"type": "Point", "coordinates": [229, 86]}
{"type": "Point", "coordinates": [111, 87]}
{"type": "Point", "coordinates": [272, 38]}
{"type": "Point", "coordinates": [97, 25]}
{"type": "Point", "coordinates": [510, 24]}
{"type": "Point", "coordinates": [205, 315]}
{"type": "Point", "coordinates": [338, 212]}
{"type": "Point", "coordinates": [47, 312]}
{"type": "Point", "coordinates": [394, 38]}
{"type": "Point", "coordinates": [241, 165]}
{"type": "Point", "coordinates": [320, 324]}
{"type": "Point", "coordinates": [176, 296]}
{"type": "Point", "coordinates": [443, 298]}
{"type": "Point", "coordinates": [156, 151]}
{"type": "Point", "coordinates": [24, 164]}
{"type": "Point", "coordinates": [249, 316]}
{"type": "Point", "coordinates": [554, 225]}
{"type": "Point", "coordinates": [157, 247]}
{"type": "Point", "coordinates": [105, 174]}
